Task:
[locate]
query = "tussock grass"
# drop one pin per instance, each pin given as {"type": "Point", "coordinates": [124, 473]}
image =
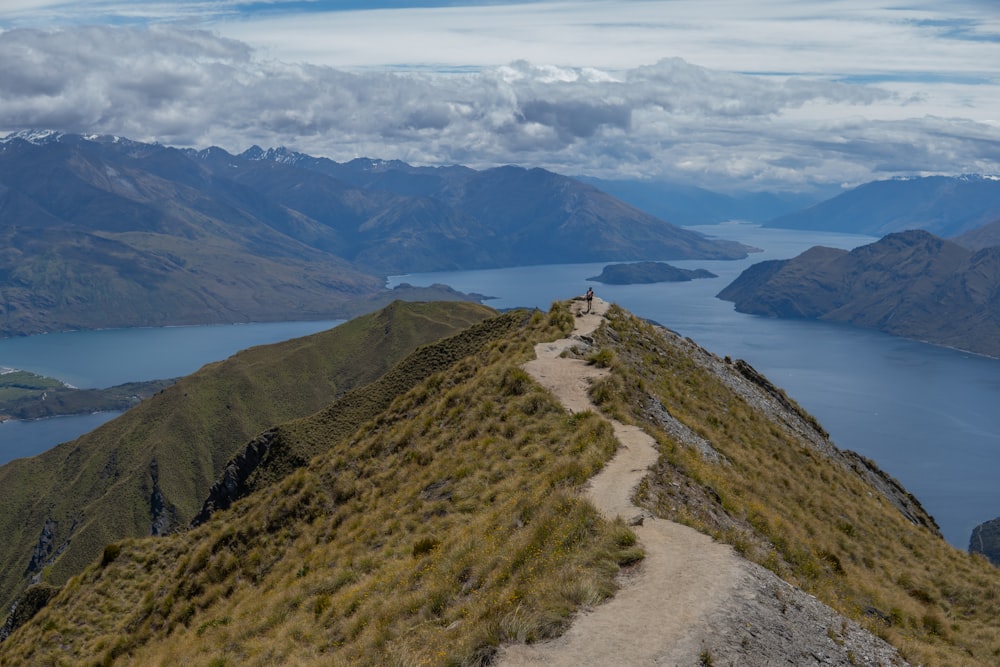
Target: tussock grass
{"type": "Point", "coordinates": [443, 527]}
{"type": "Point", "coordinates": [96, 489]}
{"type": "Point", "coordinates": [789, 506]}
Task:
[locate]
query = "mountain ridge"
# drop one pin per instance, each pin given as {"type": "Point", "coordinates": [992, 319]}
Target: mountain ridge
{"type": "Point", "coordinates": [104, 231]}
{"type": "Point", "coordinates": [911, 284]}
{"type": "Point", "coordinates": [945, 206]}
{"type": "Point", "coordinates": [62, 506]}
{"type": "Point", "coordinates": [452, 523]}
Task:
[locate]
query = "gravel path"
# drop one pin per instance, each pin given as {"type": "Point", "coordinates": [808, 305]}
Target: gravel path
{"type": "Point", "coordinates": [691, 601]}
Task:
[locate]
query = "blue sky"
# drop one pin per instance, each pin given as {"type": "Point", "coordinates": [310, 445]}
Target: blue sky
{"type": "Point", "coordinates": [776, 94]}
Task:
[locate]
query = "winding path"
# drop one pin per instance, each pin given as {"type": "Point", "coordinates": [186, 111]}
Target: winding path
{"type": "Point", "coordinates": [659, 615]}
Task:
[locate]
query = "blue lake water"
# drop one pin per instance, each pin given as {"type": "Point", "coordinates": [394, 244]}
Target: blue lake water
{"type": "Point", "coordinates": [927, 415]}
{"type": "Point", "coordinates": [98, 359]}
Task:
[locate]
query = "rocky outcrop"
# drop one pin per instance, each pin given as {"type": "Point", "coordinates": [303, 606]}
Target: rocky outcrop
{"type": "Point", "coordinates": [46, 551]}
{"type": "Point", "coordinates": [986, 540]}
{"type": "Point", "coordinates": [25, 606]}
{"type": "Point", "coordinates": [162, 512]}
{"type": "Point", "coordinates": [235, 480]}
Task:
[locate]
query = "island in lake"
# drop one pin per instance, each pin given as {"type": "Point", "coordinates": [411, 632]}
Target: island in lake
{"type": "Point", "coordinates": [641, 273]}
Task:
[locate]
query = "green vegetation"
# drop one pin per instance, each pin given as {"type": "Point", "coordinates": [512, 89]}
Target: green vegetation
{"type": "Point", "coordinates": [803, 514]}
{"type": "Point", "coordinates": [75, 498]}
{"type": "Point", "coordinates": [449, 523]}
{"type": "Point", "coordinates": [25, 395]}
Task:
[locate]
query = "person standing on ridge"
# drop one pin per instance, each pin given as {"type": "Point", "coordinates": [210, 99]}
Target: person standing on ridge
{"type": "Point", "coordinates": [590, 297]}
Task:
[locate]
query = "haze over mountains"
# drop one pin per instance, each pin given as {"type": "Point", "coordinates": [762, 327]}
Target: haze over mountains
{"type": "Point", "coordinates": [946, 206]}
{"type": "Point", "coordinates": [104, 231]}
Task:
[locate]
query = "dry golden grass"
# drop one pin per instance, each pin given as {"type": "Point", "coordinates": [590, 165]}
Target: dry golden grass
{"type": "Point", "coordinates": [786, 505]}
{"type": "Point", "coordinates": [452, 522]}
{"type": "Point", "coordinates": [449, 524]}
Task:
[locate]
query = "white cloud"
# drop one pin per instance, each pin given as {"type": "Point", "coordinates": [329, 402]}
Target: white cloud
{"type": "Point", "coordinates": [777, 93]}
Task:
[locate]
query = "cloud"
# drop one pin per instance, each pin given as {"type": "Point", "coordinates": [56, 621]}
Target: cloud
{"type": "Point", "coordinates": [670, 119]}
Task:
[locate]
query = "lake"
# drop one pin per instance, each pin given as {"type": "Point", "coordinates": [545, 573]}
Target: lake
{"type": "Point", "coordinates": [98, 359]}
{"type": "Point", "coordinates": [927, 415]}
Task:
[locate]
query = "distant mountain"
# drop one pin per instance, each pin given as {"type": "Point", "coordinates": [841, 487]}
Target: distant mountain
{"type": "Point", "coordinates": [102, 231]}
{"type": "Point", "coordinates": [506, 216]}
{"type": "Point", "coordinates": [943, 205]}
{"type": "Point", "coordinates": [689, 205]}
{"type": "Point", "coordinates": [910, 284]}
{"type": "Point", "coordinates": [981, 237]}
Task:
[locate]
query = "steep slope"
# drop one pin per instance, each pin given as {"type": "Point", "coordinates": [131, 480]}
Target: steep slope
{"type": "Point", "coordinates": [721, 607]}
{"type": "Point", "coordinates": [742, 462]}
{"type": "Point", "coordinates": [910, 284]}
{"type": "Point", "coordinates": [454, 523]}
{"type": "Point", "coordinates": [150, 470]}
{"type": "Point", "coordinates": [943, 205]}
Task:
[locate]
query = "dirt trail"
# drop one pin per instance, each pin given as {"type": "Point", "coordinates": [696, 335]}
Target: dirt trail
{"type": "Point", "coordinates": [659, 615]}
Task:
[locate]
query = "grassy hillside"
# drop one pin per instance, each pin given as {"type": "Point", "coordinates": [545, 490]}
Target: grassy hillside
{"type": "Point", "coordinates": [150, 469]}
{"type": "Point", "coordinates": [448, 524]}
{"type": "Point", "coordinates": [452, 522]}
{"type": "Point", "coordinates": [785, 498]}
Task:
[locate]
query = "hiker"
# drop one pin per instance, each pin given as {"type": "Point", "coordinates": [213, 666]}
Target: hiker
{"type": "Point", "coordinates": [590, 297]}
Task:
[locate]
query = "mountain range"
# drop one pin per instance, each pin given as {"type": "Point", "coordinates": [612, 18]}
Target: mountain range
{"type": "Point", "coordinates": [910, 284]}
{"type": "Point", "coordinates": [433, 512]}
{"type": "Point", "coordinates": [946, 206]}
{"type": "Point", "coordinates": [99, 231]}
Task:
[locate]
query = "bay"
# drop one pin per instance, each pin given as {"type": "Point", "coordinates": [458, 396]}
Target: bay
{"type": "Point", "coordinates": [925, 414]}
{"type": "Point", "coordinates": [104, 358]}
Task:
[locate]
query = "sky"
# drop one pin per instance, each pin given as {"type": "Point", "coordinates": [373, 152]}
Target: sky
{"type": "Point", "coordinates": [724, 94]}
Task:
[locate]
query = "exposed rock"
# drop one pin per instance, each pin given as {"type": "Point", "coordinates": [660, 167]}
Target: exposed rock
{"type": "Point", "coordinates": [771, 622]}
{"type": "Point", "coordinates": [162, 512]}
{"type": "Point", "coordinates": [25, 606]}
{"type": "Point", "coordinates": [234, 482]}
{"type": "Point", "coordinates": [986, 540]}
{"type": "Point", "coordinates": [43, 550]}
{"type": "Point", "coordinates": [676, 429]}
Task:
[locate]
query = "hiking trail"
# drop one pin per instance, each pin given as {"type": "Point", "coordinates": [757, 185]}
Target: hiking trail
{"type": "Point", "coordinates": [658, 615]}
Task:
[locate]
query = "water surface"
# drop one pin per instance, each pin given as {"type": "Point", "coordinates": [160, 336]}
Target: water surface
{"type": "Point", "coordinates": [926, 414]}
